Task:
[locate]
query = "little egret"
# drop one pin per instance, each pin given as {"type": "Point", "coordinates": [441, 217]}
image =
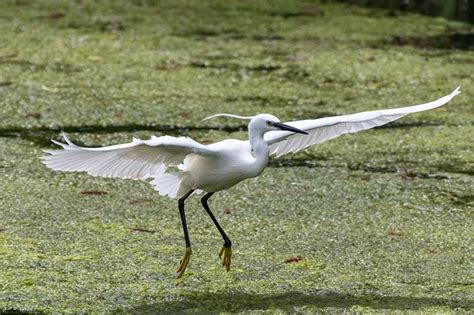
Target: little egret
{"type": "Point", "coordinates": [217, 166]}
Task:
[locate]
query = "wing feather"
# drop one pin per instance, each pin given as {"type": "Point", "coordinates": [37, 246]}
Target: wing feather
{"type": "Point", "coordinates": [322, 129]}
{"type": "Point", "coordinates": [136, 160]}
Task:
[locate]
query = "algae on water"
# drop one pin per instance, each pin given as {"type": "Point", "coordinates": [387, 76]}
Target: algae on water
{"type": "Point", "coordinates": [382, 220]}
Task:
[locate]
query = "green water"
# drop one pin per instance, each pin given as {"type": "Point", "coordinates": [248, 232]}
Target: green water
{"type": "Point", "coordinates": [382, 219]}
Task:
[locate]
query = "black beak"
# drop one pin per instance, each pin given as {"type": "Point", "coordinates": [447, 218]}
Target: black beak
{"type": "Point", "coordinates": [289, 128]}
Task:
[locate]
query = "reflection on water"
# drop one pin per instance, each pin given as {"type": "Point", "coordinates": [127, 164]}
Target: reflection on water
{"type": "Point", "coordinates": [463, 41]}
{"type": "Point", "coordinates": [451, 9]}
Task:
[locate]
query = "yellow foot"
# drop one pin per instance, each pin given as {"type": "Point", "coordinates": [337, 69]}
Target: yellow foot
{"type": "Point", "coordinates": [183, 263]}
{"type": "Point", "coordinates": [226, 255]}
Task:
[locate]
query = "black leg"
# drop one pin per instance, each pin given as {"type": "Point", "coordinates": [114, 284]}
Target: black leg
{"type": "Point", "coordinates": [187, 254]}
{"type": "Point", "coordinates": [183, 217]}
{"type": "Point", "coordinates": [227, 242]}
{"type": "Point", "coordinates": [226, 251]}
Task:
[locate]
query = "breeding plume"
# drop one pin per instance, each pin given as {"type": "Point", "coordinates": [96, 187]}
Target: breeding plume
{"type": "Point", "coordinates": [179, 166]}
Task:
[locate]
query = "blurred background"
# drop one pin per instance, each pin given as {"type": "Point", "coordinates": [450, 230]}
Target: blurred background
{"type": "Point", "coordinates": [377, 222]}
{"type": "Point", "coordinates": [451, 9]}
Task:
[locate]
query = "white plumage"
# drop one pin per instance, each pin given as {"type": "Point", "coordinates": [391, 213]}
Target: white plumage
{"type": "Point", "coordinates": [220, 165]}
{"type": "Point", "coordinates": [322, 129]}
{"type": "Point", "coordinates": [216, 166]}
{"type": "Point", "coordinates": [135, 160]}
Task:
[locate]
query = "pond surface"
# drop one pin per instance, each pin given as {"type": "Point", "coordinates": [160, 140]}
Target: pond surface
{"type": "Point", "coordinates": [380, 221]}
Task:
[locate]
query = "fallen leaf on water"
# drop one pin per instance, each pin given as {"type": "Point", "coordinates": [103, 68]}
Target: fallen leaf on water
{"type": "Point", "coordinates": [36, 115]}
{"type": "Point", "coordinates": [227, 210]}
{"type": "Point", "coordinates": [395, 232]}
{"type": "Point", "coordinates": [2, 230]}
{"type": "Point", "coordinates": [94, 192]}
{"type": "Point", "coordinates": [142, 230]}
{"type": "Point", "coordinates": [293, 259]}
{"type": "Point", "coordinates": [140, 201]}
{"type": "Point", "coordinates": [54, 15]}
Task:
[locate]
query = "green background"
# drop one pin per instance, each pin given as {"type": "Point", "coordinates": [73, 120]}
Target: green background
{"type": "Point", "coordinates": [382, 220]}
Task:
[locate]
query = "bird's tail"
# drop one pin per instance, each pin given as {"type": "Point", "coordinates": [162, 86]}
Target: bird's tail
{"type": "Point", "coordinates": [170, 184]}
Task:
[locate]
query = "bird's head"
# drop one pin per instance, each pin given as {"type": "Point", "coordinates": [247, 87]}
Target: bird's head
{"type": "Point", "coordinates": [263, 123]}
{"type": "Point", "coordinates": [267, 122]}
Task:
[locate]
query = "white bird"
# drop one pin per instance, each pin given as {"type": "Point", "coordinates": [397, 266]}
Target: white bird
{"type": "Point", "coordinates": [217, 166]}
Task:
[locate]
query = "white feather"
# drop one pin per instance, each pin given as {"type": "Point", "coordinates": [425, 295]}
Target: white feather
{"type": "Point", "coordinates": [138, 159]}
{"type": "Point", "coordinates": [322, 129]}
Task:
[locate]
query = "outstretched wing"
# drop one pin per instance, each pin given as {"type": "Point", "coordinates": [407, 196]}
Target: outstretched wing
{"type": "Point", "coordinates": [136, 160]}
{"type": "Point", "coordinates": [319, 130]}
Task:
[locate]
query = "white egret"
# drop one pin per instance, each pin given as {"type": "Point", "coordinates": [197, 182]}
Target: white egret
{"type": "Point", "coordinates": [216, 166]}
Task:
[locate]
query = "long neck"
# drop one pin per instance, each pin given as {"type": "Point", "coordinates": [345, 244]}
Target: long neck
{"type": "Point", "coordinates": [259, 145]}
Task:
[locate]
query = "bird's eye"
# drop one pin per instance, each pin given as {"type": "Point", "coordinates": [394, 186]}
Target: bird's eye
{"type": "Point", "coordinates": [269, 123]}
